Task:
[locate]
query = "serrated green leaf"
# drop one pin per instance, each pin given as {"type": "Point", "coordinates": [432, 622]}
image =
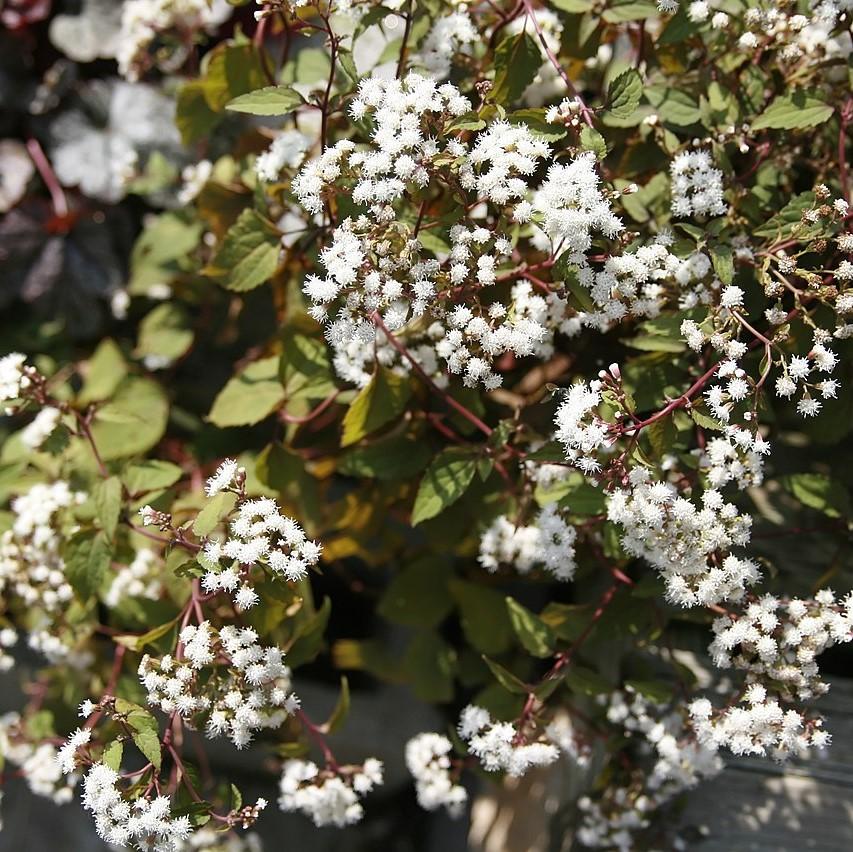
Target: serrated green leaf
{"type": "Point", "coordinates": [270, 100]}
{"type": "Point", "coordinates": [397, 457]}
{"type": "Point", "coordinates": [112, 755]}
{"type": "Point", "coordinates": [418, 596]}
{"type": "Point", "coordinates": [819, 492]}
{"type": "Point", "coordinates": [217, 507]}
{"type": "Point", "coordinates": [150, 475]}
{"type": "Point", "coordinates": [87, 558]}
{"type": "Point", "coordinates": [444, 482]}
{"type": "Point", "coordinates": [107, 499]}
{"type": "Point", "coordinates": [533, 633]}
{"type": "Point", "coordinates": [592, 140]}
{"type": "Point", "coordinates": [505, 678]}
{"type": "Point", "coordinates": [249, 254]}
{"type": "Point", "coordinates": [133, 421]}
{"type": "Point", "coordinates": [165, 333]}
{"type": "Point", "coordinates": [145, 732]}
{"type": "Point", "coordinates": [381, 401]}
{"type": "Point", "coordinates": [794, 111]}
{"type": "Point", "coordinates": [250, 396]}
{"type": "Point", "coordinates": [517, 61]}
{"type": "Point", "coordinates": [103, 373]}
{"type": "Point", "coordinates": [483, 615]}
{"type": "Point", "coordinates": [624, 93]}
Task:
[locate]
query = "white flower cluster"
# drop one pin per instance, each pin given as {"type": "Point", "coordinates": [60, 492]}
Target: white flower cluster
{"type": "Point", "coordinates": [642, 282]}
{"type": "Point", "coordinates": [225, 680]}
{"type": "Point", "coordinates": [36, 762]}
{"type": "Point", "coordinates": [572, 208]}
{"type": "Point", "coordinates": [500, 159]}
{"type": "Point", "coordinates": [776, 643]}
{"type": "Point", "coordinates": [758, 724]}
{"type": "Point", "coordinates": [498, 745]}
{"type": "Point", "coordinates": [13, 377]}
{"type": "Point", "coordinates": [798, 376]}
{"type": "Point", "coordinates": [260, 535]}
{"type": "Point", "coordinates": [327, 796]}
{"type": "Point", "coordinates": [31, 567]}
{"type": "Point", "coordinates": [145, 823]}
{"type": "Point", "coordinates": [548, 541]}
{"type": "Point", "coordinates": [697, 186]}
{"type": "Point", "coordinates": [405, 114]}
{"type": "Point", "coordinates": [40, 428]}
{"type": "Point", "coordinates": [681, 540]}
{"type": "Point", "coordinates": [735, 456]}
{"type": "Point", "coordinates": [428, 760]}
{"type": "Point", "coordinates": [143, 23]}
{"type": "Point", "coordinates": [286, 151]}
{"type": "Point", "coordinates": [143, 578]}
{"type": "Point", "coordinates": [679, 763]}
{"type": "Point", "coordinates": [448, 36]}
{"type": "Point", "coordinates": [580, 430]}
{"type": "Point", "coordinates": [781, 640]}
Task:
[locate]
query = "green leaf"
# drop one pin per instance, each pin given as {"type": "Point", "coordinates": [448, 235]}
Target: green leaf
{"type": "Point", "coordinates": [624, 93]}
{"type": "Point", "coordinates": [633, 10]}
{"type": "Point", "coordinates": [517, 61]}
{"type": "Point", "coordinates": [418, 596]}
{"type": "Point", "coordinates": [789, 219]}
{"type": "Point", "coordinates": [133, 421]}
{"type": "Point", "coordinates": [592, 140]}
{"type": "Point", "coordinates": [483, 614]}
{"type": "Point", "coordinates": [145, 731]}
{"type": "Point", "coordinates": [150, 475]}
{"type": "Point", "coordinates": [533, 633]}
{"type": "Point", "coordinates": [305, 369]}
{"type": "Point", "coordinates": [819, 492]}
{"type": "Point", "coordinates": [271, 100]}
{"type": "Point", "coordinates": [654, 690]}
{"type": "Point", "coordinates": [505, 678]}
{"type": "Point", "coordinates": [107, 499]}
{"type": "Point", "coordinates": [250, 396]}
{"type": "Point", "coordinates": [794, 111]}
{"type": "Point", "coordinates": [341, 711]}
{"type": "Point", "coordinates": [112, 755]}
{"type": "Point", "coordinates": [382, 400]}
{"type": "Point", "coordinates": [137, 643]}
{"type": "Point", "coordinates": [397, 457]}
{"type": "Point", "coordinates": [586, 681]}
{"type": "Point", "coordinates": [165, 333]}
{"type": "Point", "coordinates": [248, 255]}
{"type": "Point", "coordinates": [309, 640]}
{"type": "Point", "coordinates": [103, 373]}
{"type": "Point", "coordinates": [673, 106]}
{"type": "Point", "coordinates": [573, 7]}
{"type": "Point", "coordinates": [193, 116]}
{"type": "Point", "coordinates": [430, 663]}
{"type": "Point", "coordinates": [87, 558]}
{"type": "Point", "coordinates": [445, 481]}
{"type": "Point", "coordinates": [218, 507]}
{"type": "Point", "coordinates": [721, 257]}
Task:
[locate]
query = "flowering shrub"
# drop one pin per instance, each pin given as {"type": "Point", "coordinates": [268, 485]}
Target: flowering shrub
{"type": "Point", "coordinates": [518, 329]}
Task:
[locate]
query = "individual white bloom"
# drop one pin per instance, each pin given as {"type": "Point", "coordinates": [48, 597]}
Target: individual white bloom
{"type": "Point", "coordinates": [698, 11]}
{"type": "Point", "coordinates": [579, 429]}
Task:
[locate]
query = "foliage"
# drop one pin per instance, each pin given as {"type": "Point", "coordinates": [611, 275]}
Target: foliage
{"type": "Point", "coordinates": [529, 319]}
